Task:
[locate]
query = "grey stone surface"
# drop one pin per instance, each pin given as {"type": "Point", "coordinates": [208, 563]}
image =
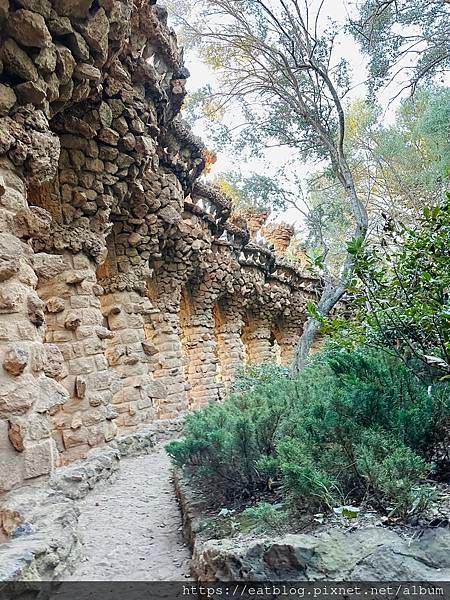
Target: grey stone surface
{"type": "Point", "coordinates": [338, 554]}
{"type": "Point", "coordinates": [43, 515]}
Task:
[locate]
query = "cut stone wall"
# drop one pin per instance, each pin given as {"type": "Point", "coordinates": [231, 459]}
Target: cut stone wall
{"type": "Point", "coordinates": [129, 292]}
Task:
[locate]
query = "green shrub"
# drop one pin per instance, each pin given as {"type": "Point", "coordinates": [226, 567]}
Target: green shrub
{"type": "Point", "coordinates": [233, 443]}
{"type": "Point", "coordinates": [263, 517]}
{"type": "Point", "coordinates": [355, 426]}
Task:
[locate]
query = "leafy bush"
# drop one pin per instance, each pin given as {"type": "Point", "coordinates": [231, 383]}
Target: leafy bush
{"type": "Point", "coordinates": [356, 425]}
{"type": "Point", "coordinates": [263, 517]}
{"type": "Point", "coordinates": [400, 293]}
{"type": "Point", "coordinates": [233, 443]}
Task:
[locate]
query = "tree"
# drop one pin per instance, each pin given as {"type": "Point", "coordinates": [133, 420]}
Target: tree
{"type": "Point", "coordinates": [277, 66]}
{"type": "Point", "coordinates": [409, 36]}
{"type": "Point", "coordinates": [397, 169]}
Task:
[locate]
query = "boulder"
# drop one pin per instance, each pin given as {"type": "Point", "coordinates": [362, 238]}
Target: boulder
{"type": "Point", "coordinates": [46, 59]}
{"type": "Point", "coordinates": [17, 62]}
{"type": "Point", "coordinates": [95, 32]}
{"type": "Point", "coordinates": [366, 554]}
{"type": "Point", "coordinates": [7, 99]}
{"type": "Point", "coordinates": [28, 28]}
{"type": "Point", "coordinates": [43, 7]}
{"type": "Point", "coordinates": [73, 8]}
{"type": "Point", "coordinates": [4, 9]}
{"type": "Point", "coordinates": [31, 92]}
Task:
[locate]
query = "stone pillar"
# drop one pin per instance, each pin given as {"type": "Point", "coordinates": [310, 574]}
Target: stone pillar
{"type": "Point", "coordinates": [230, 349]}
{"type": "Point", "coordinates": [75, 324]}
{"type": "Point", "coordinates": [28, 390]}
{"type": "Point", "coordinates": [201, 350]}
{"type": "Point", "coordinates": [287, 336]}
{"type": "Point", "coordinates": [280, 235]}
{"type": "Point", "coordinates": [131, 356]}
{"type": "Point", "coordinates": [258, 340]}
{"type": "Point", "coordinates": [163, 334]}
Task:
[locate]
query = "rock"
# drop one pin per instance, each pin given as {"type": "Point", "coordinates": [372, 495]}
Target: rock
{"type": "Point", "coordinates": [104, 333]}
{"type": "Point", "coordinates": [4, 9]}
{"type": "Point", "coordinates": [54, 361]}
{"type": "Point", "coordinates": [87, 71]}
{"type": "Point", "coordinates": [40, 458]}
{"type": "Point", "coordinates": [28, 28]}
{"type": "Point", "coordinates": [65, 63]}
{"type": "Point", "coordinates": [55, 304]}
{"type": "Point", "coordinates": [48, 265]}
{"type": "Point", "coordinates": [110, 430]}
{"type": "Point", "coordinates": [31, 92]}
{"type": "Point", "coordinates": [7, 99]}
{"type": "Point", "coordinates": [73, 8]}
{"type": "Point", "coordinates": [80, 387]}
{"type": "Point", "coordinates": [46, 59]}
{"type": "Point", "coordinates": [33, 222]}
{"type": "Point", "coordinates": [155, 389]}
{"type": "Point", "coordinates": [43, 7]}
{"type": "Point", "coordinates": [60, 26]}
{"type": "Point", "coordinates": [78, 46]}
{"type": "Point", "coordinates": [50, 394]}
{"type": "Point", "coordinates": [109, 136]}
{"type": "Point", "coordinates": [149, 349]}
{"type": "Point", "coordinates": [16, 434]}
{"type": "Point", "coordinates": [17, 62]}
{"type": "Point", "coordinates": [12, 473]}
{"type": "Point", "coordinates": [105, 114]}
{"type": "Point", "coordinates": [15, 360]}
{"type": "Point", "coordinates": [95, 32]}
{"type": "Point", "coordinates": [8, 268]}
{"type": "Point", "coordinates": [72, 322]}
{"type": "Point", "coordinates": [169, 215]}
{"type": "Point", "coordinates": [17, 395]}
{"type": "Point", "coordinates": [35, 310]}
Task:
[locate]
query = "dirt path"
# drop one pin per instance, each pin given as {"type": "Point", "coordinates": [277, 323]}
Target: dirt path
{"type": "Point", "coordinates": [132, 527]}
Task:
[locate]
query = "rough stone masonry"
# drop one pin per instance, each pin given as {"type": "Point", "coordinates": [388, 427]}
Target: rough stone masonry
{"type": "Point", "coordinates": [128, 290]}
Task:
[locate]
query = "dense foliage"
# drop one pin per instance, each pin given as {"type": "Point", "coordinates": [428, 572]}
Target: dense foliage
{"type": "Point", "coordinates": [400, 296]}
{"type": "Point", "coordinates": [356, 426]}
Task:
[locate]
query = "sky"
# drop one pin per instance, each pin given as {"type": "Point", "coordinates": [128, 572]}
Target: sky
{"type": "Point", "coordinates": [346, 46]}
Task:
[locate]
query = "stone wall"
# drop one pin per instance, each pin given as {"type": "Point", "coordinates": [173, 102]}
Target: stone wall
{"type": "Point", "coordinates": [128, 291]}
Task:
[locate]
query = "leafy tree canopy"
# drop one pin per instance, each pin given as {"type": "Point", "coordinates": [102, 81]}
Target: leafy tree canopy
{"type": "Point", "coordinates": [408, 36]}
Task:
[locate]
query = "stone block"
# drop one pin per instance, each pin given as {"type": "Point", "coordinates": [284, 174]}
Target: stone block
{"type": "Point", "coordinates": [40, 458]}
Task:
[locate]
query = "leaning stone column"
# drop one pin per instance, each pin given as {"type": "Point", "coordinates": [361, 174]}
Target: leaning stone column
{"type": "Point", "coordinates": [28, 391]}
{"type": "Point", "coordinates": [287, 338]}
{"type": "Point", "coordinates": [130, 355]}
{"type": "Point", "coordinates": [230, 349]}
{"type": "Point", "coordinates": [163, 335]}
{"type": "Point", "coordinates": [258, 340]}
{"type": "Point", "coordinates": [200, 346]}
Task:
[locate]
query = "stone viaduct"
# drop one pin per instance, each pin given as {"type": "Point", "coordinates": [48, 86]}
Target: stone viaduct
{"type": "Point", "coordinates": [129, 291]}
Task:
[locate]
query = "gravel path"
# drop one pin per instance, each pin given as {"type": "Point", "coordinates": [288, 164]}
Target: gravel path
{"type": "Point", "coordinates": [131, 528]}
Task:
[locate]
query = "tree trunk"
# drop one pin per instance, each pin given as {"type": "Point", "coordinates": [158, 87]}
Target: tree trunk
{"type": "Point", "coordinates": [304, 345]}
{"type": "Point", "coordinates": [333, 291]}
